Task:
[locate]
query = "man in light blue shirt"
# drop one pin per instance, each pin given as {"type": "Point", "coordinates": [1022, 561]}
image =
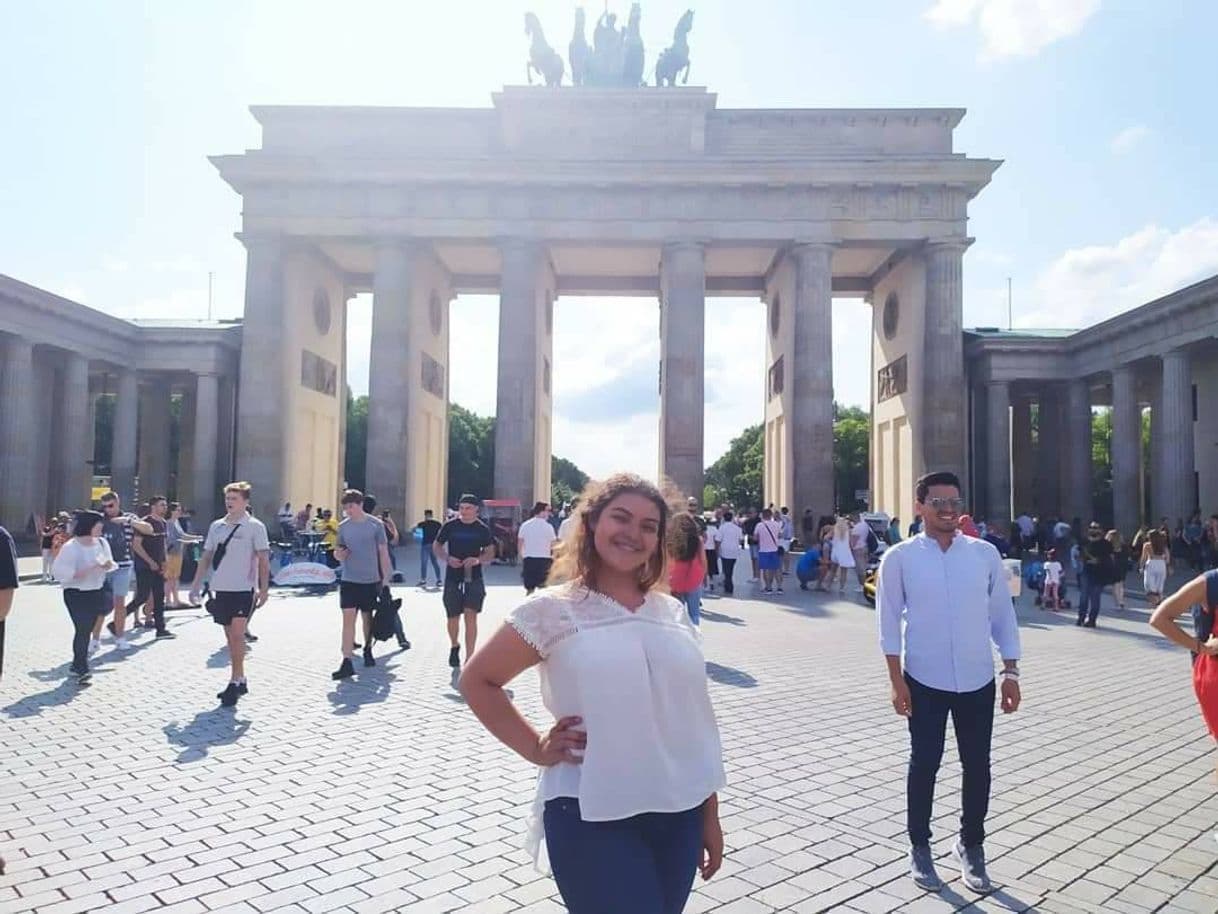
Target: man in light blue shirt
{"type": "Point", "coordinates": [941, 598]}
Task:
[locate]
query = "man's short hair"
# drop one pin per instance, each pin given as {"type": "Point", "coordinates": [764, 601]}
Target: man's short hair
{"type": "Point", "coordinates": [766, 513]}
{"type": "Point", "coordinates": [241, 488]}
{"type": "Point", "coordinates": [468, 499]}
{"type": "Point", "coordinates": [539, 507]}
{"type": "Point", "coordinates": [427, 512]}
{"type": "Point", "coordinates": [727, 515]}
{"type": "Point", "coordinates": [110, 496]}
{"type": "Point", "coordinates": [941, 478]}
{"type": "Point", "coordinates": [369, 503]}
{"type": "Point", "coordinates": [353, 497]}
{"type": "Point", "coordinates": [156, 499]}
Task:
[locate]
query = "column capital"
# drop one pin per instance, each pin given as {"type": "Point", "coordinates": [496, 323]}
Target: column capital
{"type": "Point", "coordinates": [262, 242]}
{"type": "Point", "coordinates": [812, 246]}
{"type": "Point", "coordinates": [18, 344]}
{"type": "Point", "coordinates": [946, 246]}
{"type": "Point", "coordinates": [1178, 354]}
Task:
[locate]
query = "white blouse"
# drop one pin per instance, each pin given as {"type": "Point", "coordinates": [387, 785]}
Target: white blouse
{"type": "Point", "coordinates": [638, 680]}
{"type": "Point", "coordinates": [82, 567]}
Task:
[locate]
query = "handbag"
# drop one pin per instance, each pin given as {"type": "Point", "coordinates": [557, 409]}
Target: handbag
{"type": "Point", "coordinates": [384, 622]}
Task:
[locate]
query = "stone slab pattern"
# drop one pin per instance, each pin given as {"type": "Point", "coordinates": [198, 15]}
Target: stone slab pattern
{"type": "Point", "coordinates": [385, 794]}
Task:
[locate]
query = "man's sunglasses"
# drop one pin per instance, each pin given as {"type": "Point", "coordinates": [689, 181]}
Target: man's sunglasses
{"type": "Point", "coordinates": [952, 504]}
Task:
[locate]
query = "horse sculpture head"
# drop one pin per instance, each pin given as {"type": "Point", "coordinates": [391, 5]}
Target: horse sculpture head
{"type": "Point", "coordinates": [684, 24]}
{"type": "Point", "coordinates": [532, 25]}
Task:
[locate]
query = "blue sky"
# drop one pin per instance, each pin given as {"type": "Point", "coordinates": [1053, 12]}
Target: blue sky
{"type": "Point", "coordinates": [1102, 111]}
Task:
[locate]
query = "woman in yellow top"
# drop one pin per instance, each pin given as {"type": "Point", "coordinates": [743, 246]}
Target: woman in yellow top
{"type": "Point", "coordinates": [329, 527]}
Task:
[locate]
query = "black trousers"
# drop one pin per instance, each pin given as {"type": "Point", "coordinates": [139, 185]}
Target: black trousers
{"type": "Point", "coordinates": [729, 565]}
{"type": "Point", "coordinates": [84, 606]}
{"type": "Point", "coordinates": [973, 720]}
{"type": "Point", "coordinates": [149, 582]}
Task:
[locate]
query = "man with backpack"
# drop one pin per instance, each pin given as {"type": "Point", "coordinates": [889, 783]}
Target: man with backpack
{"type": "Point", "coordinates": [237, 559]}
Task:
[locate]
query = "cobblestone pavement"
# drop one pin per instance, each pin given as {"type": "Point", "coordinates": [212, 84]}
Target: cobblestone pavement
{"type": "Point", "coordinates": [383, 794]}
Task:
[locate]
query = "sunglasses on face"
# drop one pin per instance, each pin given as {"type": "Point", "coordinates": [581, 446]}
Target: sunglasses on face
{"type": "Point", "coordinates": [951, 504]}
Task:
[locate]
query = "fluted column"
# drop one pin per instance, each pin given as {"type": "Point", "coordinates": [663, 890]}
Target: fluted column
{"type": "Point", "coordinates": [126, 418]}
{"type": "Point", "coordinates": [1177, 455]}
{"type": "Point", "coordinates": [998, 451]}
{"type": "Point", "coordinates": [1077, 501]}
{"type": "Point", "coordinates": [184, 472]}
{"type": "Point", "coordinates": [682, 365]}
{"type": "Point", "coordinates": [1022, 471]}
{"type": "Point", "coordinates": [72, 416]}
{"type": "Point", "coordinates": [205, 495]}
{"type": "Point", "coordinates": [387, 466]}
{"type": "Point", "coordinates": [18, 426]}
{"type": "Point", "coordinates": [1126, 451]}
{"type": "Point", "coordinates": [942, 407]}
{"type": "Point", "coordinates": [262, 445]}
{"type": "Point", "coordinates": [1049, 445]}
{"type": "Point", "coordinates": [811, 425]}
{"type": "Point", "coordinates": [520, 398]}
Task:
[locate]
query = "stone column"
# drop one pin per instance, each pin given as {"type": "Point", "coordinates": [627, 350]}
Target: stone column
{"type": "Point", "coordinates": [1126, 452]}
{"type": "Point", "coordinates": [184, 472]}
{"type": "Point", "coordinates": [387, 470]}
{"type": "Point", "coordinates": [1049, 450]}
{"type": "Point", "coordinates": [72, 416]}
{"type": "Point", "coordinates": [1077, 500]}
{"type": "Point", "coordinates": [205, 496]}
{"type": "Point", "coordinates": [1177, 456]}
{"type": "Point", "coordinates": [126, 417]}
{"type": "Point", "coordinates": [998, 451]}
{"type": "Point", "coordinates": [262, 444]}
{"type": "Point", "coordinates": [682, 365]}
{"type": "Point", "coordinates": [1022, 470]}
{"type": "Point", "coordinates": [519, 394]}
{"type": "Point", "coordinates": [154, 438]}
{"type": "Point", "coordinates": [18, 427]}
{"type": "Point", "coordinates": [942, 402]}
{"type": "Point", "coordinates": [811, 425]}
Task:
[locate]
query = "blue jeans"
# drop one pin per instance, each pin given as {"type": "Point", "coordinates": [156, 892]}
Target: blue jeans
{"type": "Point", "coordinates": [1090, 592]}
{"type": "Point", "coordinates": [693, 604]}
{"type": "Point", "coordinates": [425, 553]}
{"type": "Point", "coordinates": [641, 865]}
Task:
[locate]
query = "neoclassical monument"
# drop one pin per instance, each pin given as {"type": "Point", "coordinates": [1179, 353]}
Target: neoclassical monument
{"type": "Point", "coordinates": [565, 192]}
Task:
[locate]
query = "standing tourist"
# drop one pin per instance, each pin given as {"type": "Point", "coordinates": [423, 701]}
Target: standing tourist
{"type": "Point", "coordinates": [842, 553]}
{"type": "Point", "coordinates": [1095, 554]}
{"type": "Point", "coordinates": [1052, 598]}
{"type": "Point", "coordinates": [47, 534]}
{"type": "Point", "coordinates": [751, 519]}
{"type": "Point", "coordinates": [81, 567]}
{"type": "Point", "coordinates": [1121, 563]}
{"type": "Point", "coordinates": [941, 599]}
{"type": "Point", "coordinates": [149, 550]}
{"type": "Point", "coordinates": [893, 535]}
{"type": "Point", "coordinates": [860, 535]}
{"type": "Point", "coordinates": [363, 549]}
{"type": "Point", "coordinates": [237, 557]}
{"type": "Point", "coordinates": [119, 528]}
{"type": "Point", "coordinates": [465, 544]}
{"type": "Point", "coordinates": [535, 543]}
{"type": "Point", "coordinates": [287, 522]}
{"type": "Point", "coordinates": [784, 542]}
{"type": "Point", "coordinates": [301, 524]}
{"type": "Point", "coordinates": [428, 527]}
{"type": "Point", "coordinates": [686, 564]}
{"type": "Point", "coordinates": [175, 540]}
{"type": "Point", "coordinates": [728, 542]}
{"type": "Point", "coordinates": [627, 803]}
{"type": "Point", "coordinates": [709, 553]}
{"type": "Point", "coordinates": [1192, 534]}
{"type": "Point", "coordinates": [768, 534]}
{"type": "Point", "coordinates": [1155, 561]}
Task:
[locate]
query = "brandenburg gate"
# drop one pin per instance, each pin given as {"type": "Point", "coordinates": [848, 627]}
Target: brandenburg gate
{"type": "Point", "coordinates": [570, 191]}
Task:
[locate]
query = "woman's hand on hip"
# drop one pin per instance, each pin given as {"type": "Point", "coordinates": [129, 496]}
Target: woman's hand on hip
{"type": "Point", "coordinates": [563, 743]}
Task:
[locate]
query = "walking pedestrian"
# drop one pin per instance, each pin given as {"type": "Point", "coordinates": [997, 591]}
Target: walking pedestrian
{"type": "Point", "coordinates": [119, 528]}
{"type": "Point", "coordinates": [729, 539]}
{"type": "Point", "coordinates": [686, 564]}
{"type": "Point", "coordinates": [942, 597]}
{"type": "Point", "coordinates": [842, 553]}
{"type": "Point", "coordinates": [237, 559]}
{"type": "Point", "coordinates": [47, 534]}
{"type": "Point", "coordinates": [465, 544]}
{"type": "Point", "coordinates": [1155, 561]}
{"type": "Point", "coordinates": [749, 526]}
{"type": "Point", "coordinates": [768, 534]}
{"type": "Point", "coordinates": [784, 541]}
{"type": "Point", "coordinates": [428, 527]}
{"type": "Point", "coordinates": [81, 567]}
{"type": "Point", "coordinates": [535, 543]}
{"type": "Point", "coordinates": [626, 808]}
{"type": "Point", "coordinates": [1095, 554]}
{"type": "Point", "coordinates": [363, 549]}
{"type": "Point", "coordinates": [1120, 565]}
{"type": "Point", "coordinates": [709, 553]}
{"type": "Point", "coordinates": [149, 551]}
{"type": "Point", "coordinates": [176, 539]}
{"type": "Point", "coordinates": [860, 535]}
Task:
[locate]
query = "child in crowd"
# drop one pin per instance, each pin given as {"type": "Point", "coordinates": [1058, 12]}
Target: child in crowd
{"type": "Point", "coordinates": [1053, 581]}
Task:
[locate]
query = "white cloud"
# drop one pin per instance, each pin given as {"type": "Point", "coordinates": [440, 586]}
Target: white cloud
{"type": "Point", "coordinates": [1014, 28]}
{"type": "Point", "coordinates": [1094, 283]}
{"type": "Point", "coordinates": [1128, 138]}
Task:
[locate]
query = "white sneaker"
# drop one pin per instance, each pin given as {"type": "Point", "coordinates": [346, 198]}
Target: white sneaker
{"type": "Point", "coordinates": [94, 646]}
{"type": "Point", "coordinates": [123, 644]}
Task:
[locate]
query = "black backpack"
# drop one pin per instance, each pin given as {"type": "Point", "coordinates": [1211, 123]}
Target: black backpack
{"type": "Point", "coordinates": [384, 622]}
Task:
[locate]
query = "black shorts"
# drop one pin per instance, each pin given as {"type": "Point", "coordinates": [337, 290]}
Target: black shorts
{"type": "Point", "coordinates": [226, 605]}
{"type": "Point", "coordinates": [463, 596]}
{"type": "Point", "coordinates": [534, 572]}
{"type": "Point", "coordinates": [363, 597]}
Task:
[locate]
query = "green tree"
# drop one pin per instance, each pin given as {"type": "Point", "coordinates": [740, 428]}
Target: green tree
{"type": "Point", "coordinates": [1101, 466]}
{"type": "Point", "coordinates": [357, 441]}
{"type": "Point", "coordinates": [471, 453]}
{"type": "Point", "coordinates": [566, 480]}
{"type": "Point", "coordinates": [735, 478]}
{"type": "Point", "coordinates": [851, 455]}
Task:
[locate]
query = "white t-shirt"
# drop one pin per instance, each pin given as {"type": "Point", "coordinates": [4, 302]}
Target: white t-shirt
{"type": "Point", "coordinates": [82, 567]}
{"type": "Point", "coordinates": [858, 535]}
{"type": "Point", "coordinates": [1053, 572]}
{"type": "Point", "coordinates": [769, 536]}
{"type": "Point", "coordinates": [238, 572]}
{"type": "Point", "coordinates": [728, 537]}
{"type": "Point", "coordinates": [1026, 527]}
{"type": "Point", "coordinates": [708, 539]}
{"type": "Point", "coordinates": [638, 680]}
{"type": "Point", "coordinates": [566, 530]}
{"type": "Point", "coordinates": [537, 535]}
{"type": "Point", "coordinates": [1061, 530]}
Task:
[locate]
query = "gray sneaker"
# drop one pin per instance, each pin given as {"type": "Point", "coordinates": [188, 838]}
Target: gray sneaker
{"type": "Point", "coordinates": [922, 868]}
{"type": "Point", "coordinates": [972, 867]}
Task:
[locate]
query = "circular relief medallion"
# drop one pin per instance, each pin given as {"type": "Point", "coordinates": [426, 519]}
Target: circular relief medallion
{"type": "Point", "coordinates": [775, 315]}
{"type": "Point", "coordinates": [892, 315]}
{"type": "Point", "coordinates": [435, 314]}
{"type": "Point", "coordinates": [321, 311]}
{"type": "Point", "coordinates": [549, 313]}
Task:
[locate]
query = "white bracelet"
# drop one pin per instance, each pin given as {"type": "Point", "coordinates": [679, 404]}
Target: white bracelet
{"type": "Point", "coordinates": [1009, 674]}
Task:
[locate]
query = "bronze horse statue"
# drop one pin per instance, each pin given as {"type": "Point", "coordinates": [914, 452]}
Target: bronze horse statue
{"type": "Point", "coordinates": [579, 51]}
{"type": "Point", "coordinates": [632, 49]}
{"type": "Point", "coordinates": [675, 59]}
{"type": "Point", "coordinates": [543, 59]}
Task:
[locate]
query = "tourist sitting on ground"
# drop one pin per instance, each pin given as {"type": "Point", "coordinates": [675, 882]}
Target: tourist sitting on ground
{"type": "Point", "coordinates": [808, 567]}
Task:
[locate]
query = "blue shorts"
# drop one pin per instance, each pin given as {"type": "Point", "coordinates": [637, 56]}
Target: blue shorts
{"type": "Point", "coordinates": [769, 561]}
{"type": "Point", "coordinates": [118, 581]}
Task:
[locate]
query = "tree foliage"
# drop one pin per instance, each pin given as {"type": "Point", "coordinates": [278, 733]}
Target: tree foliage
{"type": "Point", "coordinates": [357, 441]}
{"type": "Point", "coordinates": [735, 478]}
{"type": "Point", "coordinates": [851, 455]}
{"type": "Point", "coordinates": [566, 480]}
{"type": "Point", "coordinates": [471, 453]}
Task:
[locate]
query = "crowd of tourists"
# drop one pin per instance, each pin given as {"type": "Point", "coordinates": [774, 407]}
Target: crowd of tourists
{"type": "Point", "coordinates": [610, 618]}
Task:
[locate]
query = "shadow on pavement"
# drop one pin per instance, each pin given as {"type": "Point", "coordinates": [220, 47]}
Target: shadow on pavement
{"type": "Point", "coordinates": [349, 697]}
{"type": "Point", "coordinates": [712, 616]}
{"type": "Point", "coordinates": [211, 728]}
{"type": "Point", "coordinates": [33, 705]}
{"type": "Point", "coordinates": [729, 675]}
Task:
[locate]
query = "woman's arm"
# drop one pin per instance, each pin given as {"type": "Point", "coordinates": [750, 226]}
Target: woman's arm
{"type": "Point", "coordinates": [497, 663]}
{"type": "Point", "coordinates": [1165, 615]}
